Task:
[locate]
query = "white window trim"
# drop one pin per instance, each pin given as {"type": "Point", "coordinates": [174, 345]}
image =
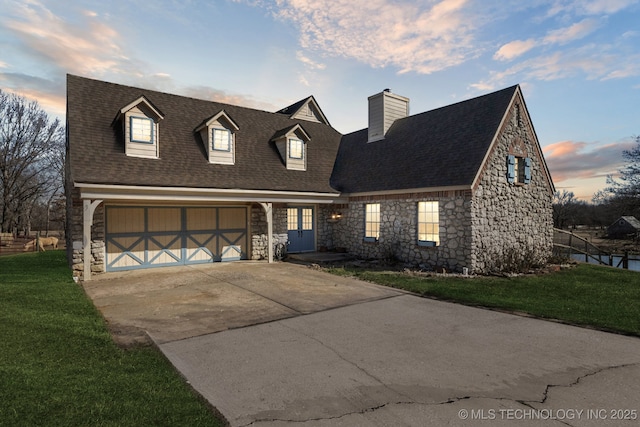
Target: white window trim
{"type": "Point", "coordinates": [367, 213]}
{"type": "Point", "coordinates": [436, 221]}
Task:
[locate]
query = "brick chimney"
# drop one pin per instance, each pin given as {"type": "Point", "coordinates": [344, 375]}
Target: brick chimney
{"type": "Point", "coordinates": [384, 109]}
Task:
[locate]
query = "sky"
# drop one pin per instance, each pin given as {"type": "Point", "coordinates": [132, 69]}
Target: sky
{"type": "Point", "coordinates": [577, 61]}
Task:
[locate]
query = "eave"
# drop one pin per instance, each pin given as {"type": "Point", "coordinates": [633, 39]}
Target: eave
{"type": "Point", "coordinates": [420, 190]}
{"type": "Point", "coordinates": [130, 193]}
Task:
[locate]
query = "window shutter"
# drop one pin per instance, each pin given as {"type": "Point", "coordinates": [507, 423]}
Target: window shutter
{"type": "Point", "coordinates": [511, 168]}
{"type": "Point", "coordinates": [527, 170]}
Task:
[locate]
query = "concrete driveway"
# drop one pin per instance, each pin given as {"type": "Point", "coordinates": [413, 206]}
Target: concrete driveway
{"type": "Point", "coordinates": [370, 356]}
{"type": "Point", "coordinates": [175, 303]}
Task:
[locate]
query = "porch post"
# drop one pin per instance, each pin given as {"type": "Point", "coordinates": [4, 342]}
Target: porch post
{"type": "Point", "coordinates": [268, 209]}
{"type": "Point", "coordinates": [88, 208]}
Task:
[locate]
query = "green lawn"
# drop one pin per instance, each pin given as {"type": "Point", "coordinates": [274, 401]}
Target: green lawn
{"type": "Point", "coordinates": [59, 366]}
{"type": "Point", "coordinates": [601, 297]}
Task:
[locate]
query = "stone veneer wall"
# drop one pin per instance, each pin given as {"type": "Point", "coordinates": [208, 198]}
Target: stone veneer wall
{"type": "Point", "coordinates": [259, 241]}
{"type": "Point", "coordinates": [398, 230]}
{"type": "Point", "coordinates": [74, 237]}
{"type": "Point", "coordinates": [512, 223]}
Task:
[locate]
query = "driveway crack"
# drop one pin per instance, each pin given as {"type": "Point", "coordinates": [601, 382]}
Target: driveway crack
{"type": "Point", "coordinates": [336, 417]}
{"type": "Point", "coordinates": [574, 383]}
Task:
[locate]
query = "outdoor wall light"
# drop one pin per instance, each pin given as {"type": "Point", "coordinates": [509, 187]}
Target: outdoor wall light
{"type": "Point", "coordinates": [335, 216]}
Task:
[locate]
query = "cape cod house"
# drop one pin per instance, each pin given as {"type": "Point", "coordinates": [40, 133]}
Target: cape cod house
{"type": "Point", "coordinates": [155, 179]}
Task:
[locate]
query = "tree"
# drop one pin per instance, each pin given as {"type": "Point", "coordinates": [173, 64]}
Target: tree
{"type": "Point", "coordinates": [564, 207]}
{"type": "Point", "coordinates": [31, 146]}
{"type": "Point", "coordinates": [625, 192]}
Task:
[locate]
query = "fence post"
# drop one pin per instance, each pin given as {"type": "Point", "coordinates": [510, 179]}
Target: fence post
{"type": "Point", "coordinates": [625, 260]}
{"type": "Point", "coordinates": [37, 241]}
{"type": "Point", "coordinates": [586, 251]}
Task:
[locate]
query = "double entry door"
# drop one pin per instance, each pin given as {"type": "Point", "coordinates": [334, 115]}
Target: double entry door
{"type": "Point", "coordinates": [300, 229]}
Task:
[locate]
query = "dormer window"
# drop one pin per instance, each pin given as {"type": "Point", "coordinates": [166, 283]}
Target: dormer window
{"type": "Point", "coordinates": [141, 129]}
{"type": "Point", "coordinates": [139, 121]}
{"type": "Point", "coordinates": [296, 148]}
{"type": "Point", "coordinates": [292, 143]}
{"type": "Point", "coordinates": [218, 135]}
{"type": "Point", "coordinates": [221, 139]}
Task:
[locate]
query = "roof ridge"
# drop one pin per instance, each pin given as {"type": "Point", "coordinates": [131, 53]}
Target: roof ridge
{"type": "Point", "coordinates": [138, 88]}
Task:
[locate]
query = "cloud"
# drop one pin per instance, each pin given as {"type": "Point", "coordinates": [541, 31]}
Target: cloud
{"type": "Point", "coordinates": [421, 37]}
{"type": "Point", "coordinates": [572, 32]}
{"type": "Point", "coordinates": [560, 36]}
{"type": "Point", "coordinates": [591, 61]}
{"type": "Point", "coordinates": [49, 94]}
{"type": "Point", "coordinates": [579, 160]}
{"type": "Point", "coordinates": [549, 59]}
{"type": "Point", "coordinates": [309, 62]}
{"type": "Point", "coordinates": [210, 94]}
{"type": "Point", "coordinates": [86, 47]}
{"type": "Point", "coordinates": [589, 7]}
{"type": "Point", "coordinates": [514, 49]}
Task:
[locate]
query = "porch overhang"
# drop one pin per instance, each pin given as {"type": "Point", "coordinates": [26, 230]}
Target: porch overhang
{"type": "Point", "coordinates": [94, 194]}
{"type": "Point", "coordinates": [130, 193]}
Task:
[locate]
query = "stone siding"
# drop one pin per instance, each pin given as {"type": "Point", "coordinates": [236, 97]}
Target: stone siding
{"type": "Point", "coordinates": [398, 230]}
{"type": "Point", "coordinates": [259, 241]}
{"type": "Point", "coordinates": [512, 223]}
{"type": "Point", "coordinates": [74, 237]}
{"type": "Point", "coordinates": [497, 226]}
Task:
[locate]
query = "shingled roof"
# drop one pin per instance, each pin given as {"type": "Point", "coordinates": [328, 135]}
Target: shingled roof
{"type": "Point", "coordinates": [97, 155]}
{"type": "Point", "coordinates": [438, 148]}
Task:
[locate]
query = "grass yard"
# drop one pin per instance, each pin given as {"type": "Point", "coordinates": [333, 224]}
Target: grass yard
{"type": "Point", "coordinates": [601, 297]}
{"type": "Point", "coordinates": [59, 366]}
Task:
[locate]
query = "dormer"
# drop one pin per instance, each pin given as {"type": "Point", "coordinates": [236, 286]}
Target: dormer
{"type": "Point", "coordinates": [384, 109]}
{"type": "Point", "coordinates": [306, 109]}
{"type": "Point", "coordinates": [291, 143]}
{"type": "Point", "coordinates": [140, 120]}
{"type": "Point", "coordinates": [218, 134]}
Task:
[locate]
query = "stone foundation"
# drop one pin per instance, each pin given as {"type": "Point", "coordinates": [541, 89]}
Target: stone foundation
{"type": "Point", "coordinates": [97, 258]}
{"type": "Point", "coordinates": [259, 245]}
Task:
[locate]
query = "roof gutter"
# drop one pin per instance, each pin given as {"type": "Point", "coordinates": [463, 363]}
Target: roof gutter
{"type": "Point", "coordinates": [187, 194]}
{"type": "Point", "coordinates": [408, 191]}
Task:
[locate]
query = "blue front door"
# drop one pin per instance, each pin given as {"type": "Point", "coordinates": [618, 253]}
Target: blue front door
{"type": "Point", "coordinates": [300, 229]}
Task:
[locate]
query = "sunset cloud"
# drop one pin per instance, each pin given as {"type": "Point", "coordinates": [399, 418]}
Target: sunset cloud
{"type": "Point", "coordinates": [514, 49]}
{"type": "Point", "coordinates": [86, 47]}
{"type": "Point", "coordinates": [569, 160]}
{"type": "Point", "coordinates": [573, 32]}
{"type": "Point", "coordinates": [560, 36]}
{"type": "Point", "coordinates": [591, 61]}
{"type": "Point", "coordinates": [412, 37]}
{"type": "Point", "coordinates": [590, 7]}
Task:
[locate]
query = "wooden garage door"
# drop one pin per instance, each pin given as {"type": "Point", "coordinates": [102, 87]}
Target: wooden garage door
{"type": "Point", "coordinates": [144, 237]}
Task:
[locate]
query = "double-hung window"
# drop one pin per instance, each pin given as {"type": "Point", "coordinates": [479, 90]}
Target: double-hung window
{"type": "Point", "coordinates": [296, 148]}
{"type": "Point", "coordinates": [141, 129]}
{"type": "Point", "coordinates": [221, 139]}
{"type": "Point", "coordinates": [428, 224]}
{"type": "Point", "coordinates": [372, 222]}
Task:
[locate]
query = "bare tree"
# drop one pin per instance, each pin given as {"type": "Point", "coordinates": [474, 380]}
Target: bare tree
{"type": "Point", "coordinates": [564, 207]}
{"type": "Point", "coordinates": [30, 149]}
{"type": "Point", "coordinates": [625, 192]}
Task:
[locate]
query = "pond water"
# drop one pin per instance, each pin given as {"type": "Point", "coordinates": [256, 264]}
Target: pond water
{"type": "Point", "coordinates": [634, 260]}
